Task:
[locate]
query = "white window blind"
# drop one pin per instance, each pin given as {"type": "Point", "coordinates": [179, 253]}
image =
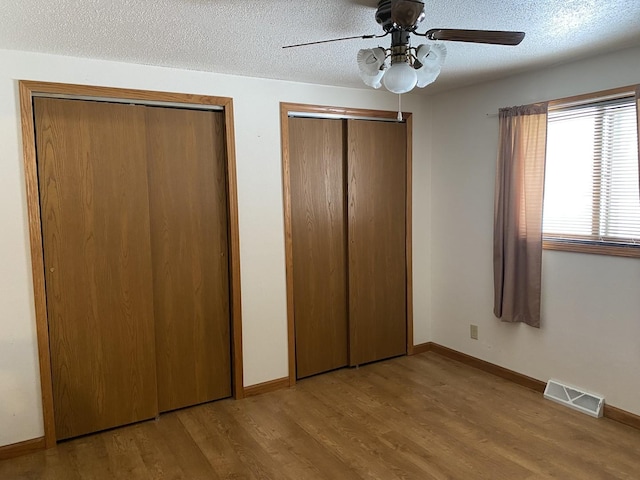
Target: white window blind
{"type": "Point", "coordinates": [591, 178]}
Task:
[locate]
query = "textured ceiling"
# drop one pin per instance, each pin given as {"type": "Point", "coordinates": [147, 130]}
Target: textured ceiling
{"type": "Point", "coordinates": [245, 37]}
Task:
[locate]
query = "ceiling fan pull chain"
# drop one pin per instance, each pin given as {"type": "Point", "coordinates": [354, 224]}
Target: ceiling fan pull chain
{"type": "Point", "coordinates": [399, 107]}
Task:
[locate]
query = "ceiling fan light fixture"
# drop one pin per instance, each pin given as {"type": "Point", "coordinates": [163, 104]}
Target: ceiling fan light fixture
{"type": "Point", "coordinates": [373, 81]}
{"type": "Point", "coordinates": [370, 60]}
{"type": "Point", "coordinates": [433, 54]}
{"type": "Point", "coordinates": [431, 57]}
{"type": "Point", "coordinates": [371, 65]}
{"type": "Point", "coordinates": [426, 76]}
{"type": "Point", "coordinates": [409, 66]}
{"type": "Point", "coordinates": [400, 78]}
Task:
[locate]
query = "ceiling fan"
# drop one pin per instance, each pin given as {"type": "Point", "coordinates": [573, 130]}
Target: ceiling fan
{"type": "Point", "coordinates": [401, 67]}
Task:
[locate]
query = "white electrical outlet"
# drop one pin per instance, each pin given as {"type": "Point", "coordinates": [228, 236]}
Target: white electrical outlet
{"type": "Point", "coordinates": [474, 332]}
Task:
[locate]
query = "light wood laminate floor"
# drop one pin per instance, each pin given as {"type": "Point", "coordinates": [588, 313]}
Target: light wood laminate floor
{"type": "Point", "coordinates": [421, 417]}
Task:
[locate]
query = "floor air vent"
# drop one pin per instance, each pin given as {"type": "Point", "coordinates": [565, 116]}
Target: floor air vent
{"type": "Point", "coordinates": [572, 397]}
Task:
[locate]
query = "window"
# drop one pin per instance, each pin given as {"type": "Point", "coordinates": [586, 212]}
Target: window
{"type": "Point", "coordinates": [592, 197]}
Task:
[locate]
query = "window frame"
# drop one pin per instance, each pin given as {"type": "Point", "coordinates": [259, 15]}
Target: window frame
{"type": "Point", "coordinates": [586, 244]}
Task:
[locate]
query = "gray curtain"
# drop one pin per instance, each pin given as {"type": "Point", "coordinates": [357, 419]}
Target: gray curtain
{"type": "Point", "coordinates": [517, 229]}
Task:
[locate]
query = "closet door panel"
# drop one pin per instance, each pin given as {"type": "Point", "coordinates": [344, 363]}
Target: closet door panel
{"type": "Point", "coordinates": [95, 225]}
{"type": "Point", "coordinates": [376, 240]}
{"type": "Point", "coordinates": [188, 205]}
{"type": "Point", "coordinates": [319, 248]}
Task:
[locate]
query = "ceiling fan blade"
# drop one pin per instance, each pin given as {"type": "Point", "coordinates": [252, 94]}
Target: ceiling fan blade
{"type": "Point", "coordinates": [494, 37]}
{"type": "Point", "coordinates": [362, 37]}
{"type": "Point", "coordinates": [407, 13]}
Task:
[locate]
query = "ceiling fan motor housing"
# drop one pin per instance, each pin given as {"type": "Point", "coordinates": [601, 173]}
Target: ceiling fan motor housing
{"type": "Point", "coordinates": [395, 15]}
{"type": "Point", "coordinates": [383, 15]}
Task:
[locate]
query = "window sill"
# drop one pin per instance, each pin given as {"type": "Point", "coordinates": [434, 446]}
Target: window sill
{"type": "Point", "coordinates": [592, 247]}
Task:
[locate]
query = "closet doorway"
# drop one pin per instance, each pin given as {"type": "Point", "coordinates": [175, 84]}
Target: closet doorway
{"type": "Point", "coordinates": [134, 243]}
{"type": "Point", "coordinates": [347, 198]}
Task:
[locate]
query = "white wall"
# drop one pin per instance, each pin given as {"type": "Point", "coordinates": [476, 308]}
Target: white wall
{"type": "Point", "coordinates": [257, 128]}
{"type": "Point", "coordinates": [591, 304]}
{"type": "Point", "coordinates": [587, 339]}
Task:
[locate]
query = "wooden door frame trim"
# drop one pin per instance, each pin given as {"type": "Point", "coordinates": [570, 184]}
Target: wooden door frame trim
{"type": "Point", "coordinates": [29, 89]}
{"type": "Point", "coordinates": [352, 113]}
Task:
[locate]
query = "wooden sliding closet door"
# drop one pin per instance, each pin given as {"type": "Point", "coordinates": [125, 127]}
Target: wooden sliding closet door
{"type": "Point", "coordinates": [188, 203]}
{"type": "Point", "coordinates": [95, 224]}
{"type": "Point", "coordinates": [376, 161]}
{"type": "Point", "coordinates": [319, 244]}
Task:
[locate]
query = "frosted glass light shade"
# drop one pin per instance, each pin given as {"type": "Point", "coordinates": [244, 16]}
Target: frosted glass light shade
{"type": "Point", "coordinates": [370, 62]}
{"type": "Point", "coordinates": [432, 57]}
{"type": "Point", "coordinates": [400, 78]}
{"type": "Point", "coordinates": [427, 75]}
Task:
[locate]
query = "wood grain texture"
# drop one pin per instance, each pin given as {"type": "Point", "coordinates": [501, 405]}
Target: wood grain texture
{"type": "Point", "coordinates": [519, 378]}
{"type": "Point", "coordinates": [95, 223]}
{"type": "Point", "coordinates": [266, 387]}
{"type": "Point", "coordinates": [37, 261]}
{"type": "Point", "coordinates": [22, 448]}
{"type": "Point", "coordinates": [622, 416]}
{"type": "Point", "coordinates": [611, 412]}
{"type": "Point", "coordinates": [421, 348]}
{"type": "Point", "coordinates": [409, 231]}
{"type": "Point", "coordinates": [616, 251]}
{"type": "Point", "coordinates": [140, 96]}
{"type": "Point", "coordinates": [190, 260]}
{"type": "Point", "coordinates": [319, 250]}
{"type": "Point", "coordinates": [421, 417]}
{"type": "Point", "coordinates": [234, 249]}
{"type": "Point", "coordinates": [285, 108]}
{"type": "Point", "coordinates": [29, 89]}
{"type": "Point", "coordinates": [341, 111]}
{"type": "Point", "coordinates": [613, 92]}
{"type": "Point", "coordinates": [376, 240]}
{"type": "Point", "coordinates": [288, 243]}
